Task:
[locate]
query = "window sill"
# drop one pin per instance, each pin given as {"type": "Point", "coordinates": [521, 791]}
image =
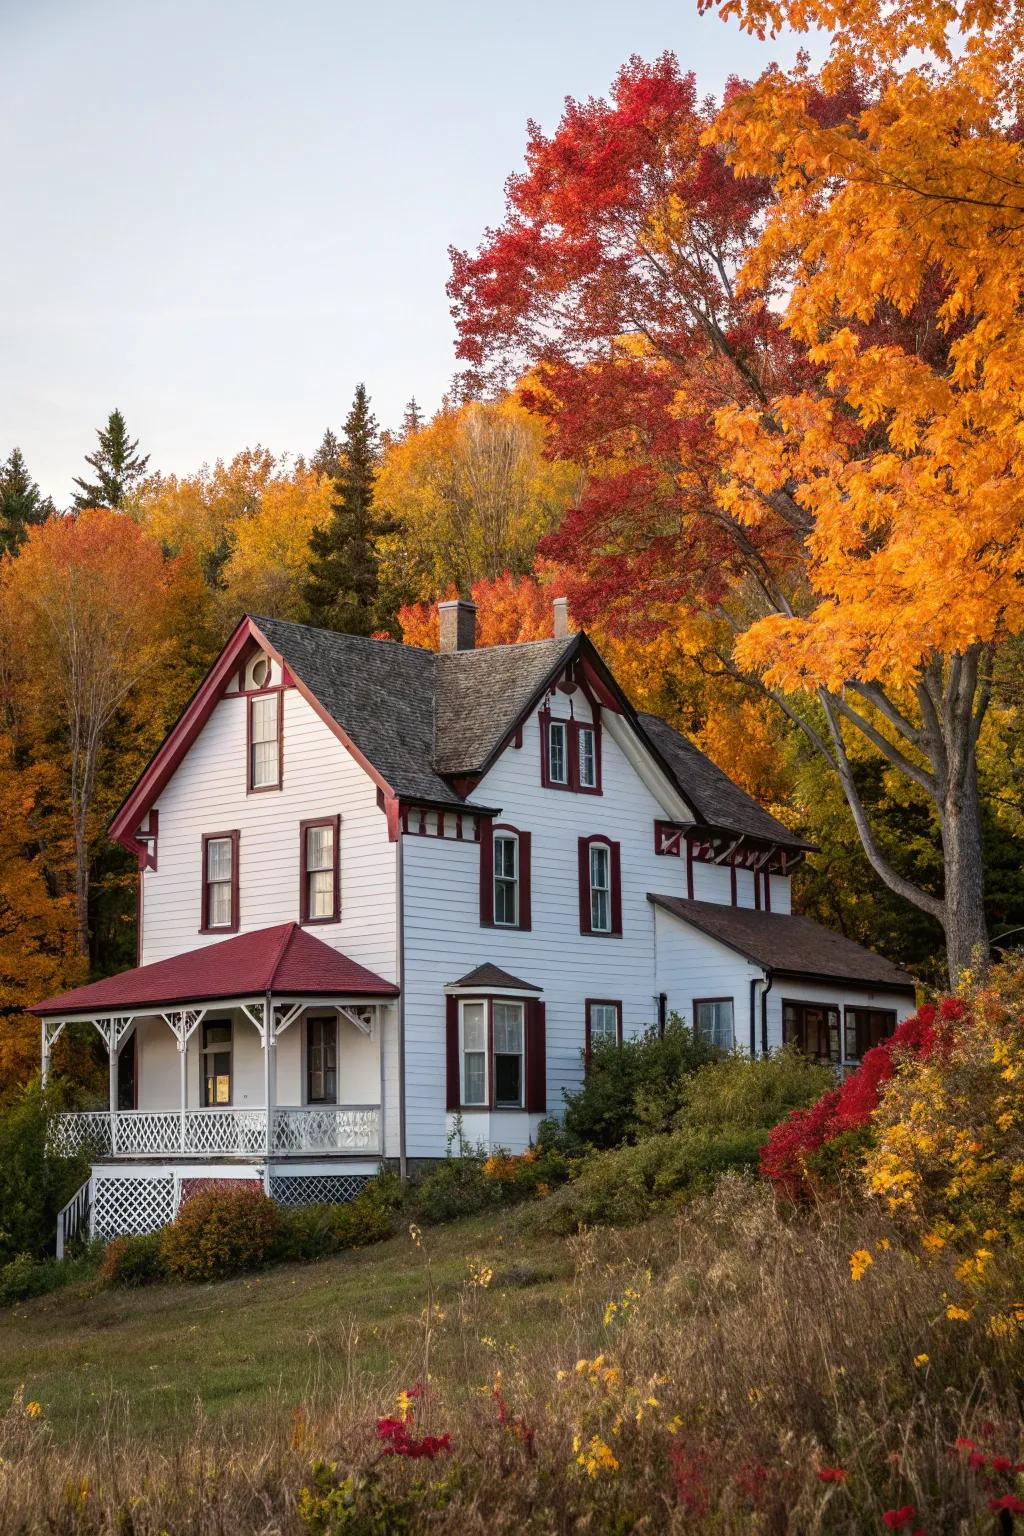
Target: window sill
{"type": "Point", "coordinates": [589, 933]}
{"type": "Point", "coordinates": [222, 931]}
{"type": "Point", "coordinates": [319, 922]}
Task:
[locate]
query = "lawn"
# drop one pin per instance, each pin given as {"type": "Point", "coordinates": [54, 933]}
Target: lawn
{"type": "Point", "coordinates": [312, 1333]}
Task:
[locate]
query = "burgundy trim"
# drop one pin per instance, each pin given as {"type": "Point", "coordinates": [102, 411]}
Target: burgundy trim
{"type": "Point", "coordinates": [767, 891]}
{"type": "Point", "coordinates": [525, 903]}
{"type": "Point", "coordinates": [251, 697]}
{"type": "Point", "coordinates": [213, 837]}
{"type": "Point", "coordinates": [689, 869]}
{"type": "Point", "coordinates": [305, 826]}
{"type": "Point", "coordinates": [535, 1044]}
{"type": "Point", "coordinates": [757, 890]}
{"type": "Point", "coordinates": [615, 877]}
{"type": "Point", "coordinates": [668, 839]}
{"type": "Point", "coordinates": [525, 882]}
{"type": "Point", "coordinates": [572, 753]}
{"type": "Point", "coordinates": [487, 875]}
{"type": "Point", "coordinates": [517, 739]}
{"type": "Point", "coordinates": [138, 916]}
{"type": "Point", "coordinates": [453, 1076]}
{"type": "Point", "coordinates": [599, 1002]}
{"type": "Point", "coordinates": [732, 885]}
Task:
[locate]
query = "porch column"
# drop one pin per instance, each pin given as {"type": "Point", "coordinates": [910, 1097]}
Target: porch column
{"type": "Point", "coordinates": [44, 1072]}
{"type": "Point", "coordinates": [183, 1086]}
{"type": "Point", "coordinates": [112, 1079]}
{"type": "Point", "coordinates": [269, 1079]}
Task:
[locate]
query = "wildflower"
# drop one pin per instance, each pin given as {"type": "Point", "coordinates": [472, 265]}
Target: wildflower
{"type": "Point", "coordinates": [897, 1519]}
{"type": "Point", "coordinates": [883, 1244]}
{"type": "Point", "coordinates": [920, 1360]}
{"type": "Point", "coordinates": [933, 1242]}
{"type": "Point", "coordinates": [609, 1312]}
{"type": "Point", "coordinates": [480, 1275]}
{"type": "Point", "coordinates": [859, 1262]}
{"type": "Point", "coordinates": [958, 1314]}
{"type": "Point", "coordinates": [597, 1457]}
{"type": "Point", "coordinates": [33, 1410]}
{"type": "Point", "coordinates": [674, 1425]}
{"type": "Point", "coordinates": [1009, 1502]}
{"type": "Point", "coordinates": [832, 1474]}
{"type": "Point", "coordinates": [488, 1342]}
{"type": "Point", "coordinates": [415, 1234]}
{"type": "Point", "coordinates": [394, 1434]}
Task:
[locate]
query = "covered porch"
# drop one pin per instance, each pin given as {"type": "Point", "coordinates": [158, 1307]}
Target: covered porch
{"type": "Point", "coordinates": [260, 1048]}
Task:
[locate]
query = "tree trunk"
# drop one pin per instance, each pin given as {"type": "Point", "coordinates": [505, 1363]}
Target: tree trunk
{"type": "Point", "coordinates": [967, 944]}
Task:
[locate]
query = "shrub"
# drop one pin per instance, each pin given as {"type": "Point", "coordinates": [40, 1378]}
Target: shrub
{"type": "Point", "coordinates": [535, 1171]}
{"type": "Point", "coordinates": [456, 1187]}
{"type": "Point", "coordinates": [633, 1087]}
{"type": "Point", "coordinates": [133, 1261]}
{"type": "Point", "coordinates": [35, 1182]}
{"type": "Point", "coordinates": [25, 1276]}
{"type": "Point", "coordinates": [220, 1231]}
{"type": "Point", "coordinates": [316, 1231]}
{"type": "Point", "coordinates": [755, 1092]}
{"type": "Point", "coordinates": [627, 1184]}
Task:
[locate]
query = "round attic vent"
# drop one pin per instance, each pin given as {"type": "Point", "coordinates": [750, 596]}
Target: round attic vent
{"type": "Point", "coordinates": [259, 672]}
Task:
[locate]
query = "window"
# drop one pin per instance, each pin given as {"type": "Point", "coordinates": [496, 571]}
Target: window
{"type": "Point", "coordinates": [259, 672]}
{"type": "Point", "coordinates": [600, 887]}
{"type": "Point", "coordinates": [813, 1028]}
{"type": "Point", "coordinates": [603, 1023]}
{"type": "Point", "coordinates": [220, 883]}
{"type": "Point", "coordinates": [506, 880]}
{"type": "Point", "coordinates": [587, 744]}
{"type": "Point", "coordinates": [713, 1021]}
{"type": "Point", "coordinates": [216, 1055]}
{"type": "Point", "coordinates": [265, 741]}
{"type": "Point", "coordinates": [570, 754]}
{"type": "Point", "coordinates": [507, 1023]}
{"type": "Point", "coordinates": [319, 897]}
{"type": "Point", "coordinates": [558, 752]}
{"type": "Point", "coordinates": [474, 1053]}
{"type": "Point", "coordinates": [865, 1028]}
{"type": "Point", "coordinates": [322, 1061]}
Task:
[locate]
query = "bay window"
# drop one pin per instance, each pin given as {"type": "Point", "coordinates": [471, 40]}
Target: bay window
{"type": "Point", "coordinates": [813, 1028]}
{"type": "Point", "coordinates": [866, 1028]}
{"type": "Point", "coordinates": [507, 1025]}
{"type": "Point", "coordinates": [473, 1022]}
{"type": "Point", "coordinates": [496, 1053]}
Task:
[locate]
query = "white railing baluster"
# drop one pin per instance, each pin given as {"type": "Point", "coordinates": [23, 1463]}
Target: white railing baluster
{"type": "Point", "coordinates": [233, 1132]}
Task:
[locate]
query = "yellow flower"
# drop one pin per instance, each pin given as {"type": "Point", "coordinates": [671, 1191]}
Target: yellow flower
{"type": "Point", "coordinates": [597, 1457]}
{"type": "Point", "coordinates": [404, 1406]}
{"type": "Point", "coordinates": [933, 1242]}
{"type": "Point", "coordinates": [674, 1425]}
{"type": "Point", "coordinates": [859, 1262]}
{"type": "Point", "coordinates": [920, 1360]}
{"type": "Point", "coordinates": [33, 1410]}
{"type": "Point", "coordinates": [958, 1314]}
{"type": "Point", "coordinates": [610, 1311]}
{"type": "Point", "coordinates": [882, 1244]}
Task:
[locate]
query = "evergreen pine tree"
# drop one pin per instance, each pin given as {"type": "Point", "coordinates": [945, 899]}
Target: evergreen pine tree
{"type": "Point", "coordinates": [327, 459]}
{"type": "Point", "coordinates": [22, 503]}
{"type": "Point", "coordinates": [412, 421]}
{"type": "Point", "coordinates": [118, 466]}
{"type": "Point", "coordinates": [343, 589]}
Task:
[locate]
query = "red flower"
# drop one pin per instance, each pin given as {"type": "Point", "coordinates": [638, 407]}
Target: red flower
{"type": "Point", "coordinates": [1009, 1502]}
{"type": "Point", "coordinates": [976, 1460]}
{"type": "Point", "coordinates": [963, 1444]}
{"type": "Point", "coordinates": [1001, 1464]}
{"type": "Point", "coordinates": [896, 1519]}
{"type": "Point", "coordinates": [832, 1474]}
{"type": "Point", "coordinates": [399, 1442]}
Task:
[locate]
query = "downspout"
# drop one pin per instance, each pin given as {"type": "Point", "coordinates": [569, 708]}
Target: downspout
{"type": "Point", "coordinates": [768, 979]}
{"type": "Point", "coordinates": [754, 980]}
{"type": "Point", "coordinates": [403, 1168]}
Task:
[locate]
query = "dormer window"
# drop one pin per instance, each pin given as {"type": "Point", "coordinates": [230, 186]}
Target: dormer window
{"type": "Point", "coordinates": [265, 741]}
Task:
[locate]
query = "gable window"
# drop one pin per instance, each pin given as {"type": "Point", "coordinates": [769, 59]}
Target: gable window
{"type": "Point", "coordinates": [319, 896]}
{"type": "Point", "coordinates": [558, 752]}
{"type": "Point", "coordinates": [570, 754]}
{"type": "Point", "coordinates": [813, 1028]}
{"type": "Point", "coordinates": [220, 883]}
{"type": "Point", "coordinates": [322, 1061]}
{"type": "Point", "coordinates": [866, 1028]}
{"type": "Point", "coordinates": [496, 1053]}
{"type": "Point", "coordinates": [587, 743]}
{"type": "Point", "coordinates": [603, 1023]}
{"type": "Point", "coordinates": [600, 887]}
{"type": "Point", "coordinates": [265, 741]}
{"type": "Point", "coordinates": [216, 1053]}
{"type": "Point", "coordinates": [504, 877]}
{"type": "Point", "coordinates": [713, 1021]}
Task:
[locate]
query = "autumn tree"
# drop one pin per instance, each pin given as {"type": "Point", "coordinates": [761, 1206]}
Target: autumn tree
{"type": "Point", "coordinates": [269, 550]}
{"type": "Point", "coordinates": [469, 496]}
{"type": "Point", "coordinates": [22, 503]}
{"type": "Point", "coordinates": [117, 465]}
{"type": "Point", "coordinates": [87, 615]}
{"type": "Point", "coordinates": [327, 458]}
{"type": "Point", "coordinates": [342, 590]}
{"type": "Point", "coordinates": [778, 392]}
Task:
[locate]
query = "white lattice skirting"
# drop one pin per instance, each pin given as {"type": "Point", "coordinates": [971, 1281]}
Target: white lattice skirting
{"type": "Point", "coordinates": [317, 1189]}
{"type": "Point", "coordinates": [122, 1206]}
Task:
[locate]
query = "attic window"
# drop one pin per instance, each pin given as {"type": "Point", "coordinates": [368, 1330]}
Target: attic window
{"type": "Point", "coordinates": [260, 673]}
{"type": "Point", "coordinates": [264, 744]}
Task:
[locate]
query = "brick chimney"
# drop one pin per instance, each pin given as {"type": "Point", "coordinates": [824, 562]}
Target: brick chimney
{"type": "Point", "coordinates": [561, 607]}
{"type": "Point", "coordinates": [458, 624]}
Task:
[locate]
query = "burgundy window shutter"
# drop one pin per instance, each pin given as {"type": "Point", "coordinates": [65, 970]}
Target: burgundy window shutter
{"type": "Point", "coordinates": [454, 1091]}
{"type": "Point", "coordinates": [536, 1058]}
{"type": "Point", "coordinates": [525, 899]}
{"type": "Point", "coordinates": [486, 872]}
{"type": "Point", "coordinates": [616, 862]}
{"type": "Point", "coordinates": [584, 876]}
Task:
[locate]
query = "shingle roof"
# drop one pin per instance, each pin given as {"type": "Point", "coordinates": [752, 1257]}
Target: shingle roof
{"type": "Point", "coordinates": [793, 946]}
{"type": "Point", "coordinates": [481, 693]}
{"type": "Point", "coordinates": [488, 975]}
{"type": "Point", "coordinates": [714, 796]}
{"type": "Point", "coordinates": [284, 959]}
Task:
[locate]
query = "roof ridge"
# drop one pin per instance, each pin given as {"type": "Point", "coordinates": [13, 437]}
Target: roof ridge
{"type": "Point", "coordinates": [509, 645]}
{"type": "Point", "coordinates": [290, 930]}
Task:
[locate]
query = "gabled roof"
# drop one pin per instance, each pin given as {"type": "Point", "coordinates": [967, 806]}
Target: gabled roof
{"type": "Point", "coordinates": [718, 801]}
{"type": "Point", "coordinates": [788, 945]}
{"type": "Point", "coordinates": [285, 960]}
{"type": "Point", "coordinates": [422, 723]}
{"type": "Point", "coordinates": [488, 975]}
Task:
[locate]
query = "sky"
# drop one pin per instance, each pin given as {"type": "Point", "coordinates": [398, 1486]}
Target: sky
{"type": "Point", "coordinates": [219, 217]}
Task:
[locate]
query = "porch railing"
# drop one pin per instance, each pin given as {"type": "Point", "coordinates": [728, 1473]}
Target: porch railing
{"type": "Point", "coordinates": [220, 1132]}
{"type": "Point", "coordinates": [73, 1220]}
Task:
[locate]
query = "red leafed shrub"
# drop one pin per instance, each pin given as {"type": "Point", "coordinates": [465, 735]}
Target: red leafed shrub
{"type": "Point", "coordinates": [398, 1441]}
{"type": "Point", "coordinates": [221, 1231]}
{"type": "Point", "coordinates": [849, 1106]}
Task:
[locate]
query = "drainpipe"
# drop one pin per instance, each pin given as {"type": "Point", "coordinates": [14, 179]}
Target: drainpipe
{"type": "Point", "coordinates": [768, 979]}
{"type": "Point", "coordinates": [403, 1167]}
{"type": "Point", "coordinates": [662, 1013]}
{"type": "Point", "coordinates": [754, 980]}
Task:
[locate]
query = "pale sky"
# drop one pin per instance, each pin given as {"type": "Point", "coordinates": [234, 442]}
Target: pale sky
{"type": "Point", "coordinates": [220, 216]}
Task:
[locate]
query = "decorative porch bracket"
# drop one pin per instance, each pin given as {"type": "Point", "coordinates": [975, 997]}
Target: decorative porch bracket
{"type": "Point", "coordinates": [51, 1029]}
{"type": "Point", "coordinates": [363, 1021]}
{"type": "Point", "coordinates": [183, 1024]}
{"type": "Point", "coordinates": [114, 1032]}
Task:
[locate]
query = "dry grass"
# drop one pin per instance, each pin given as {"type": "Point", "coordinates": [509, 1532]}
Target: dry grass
{"type": "Point", "coordinates": [746, 1361]}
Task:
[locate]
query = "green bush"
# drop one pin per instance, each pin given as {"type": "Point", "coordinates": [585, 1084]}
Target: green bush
{"type": "Point", "coordinates": [24, 1276]}
{"type": "Point", "coordinates": [316, 1231]}
{"type": "Point", "coordinates": [753, 1092]}
{"type": "Point", "coordinates": [220, 1231]}
{"type": "Point", "coordinates": [455, 1187]}
{"type": "Point", "coordinates": [133, 1261]}
{"type": "Point", "coordinates": [627, 1184]}
{"type": "Point", "coordinates": [646, 1071]}
{"type": "Point", "coordinates": [34, 1181]}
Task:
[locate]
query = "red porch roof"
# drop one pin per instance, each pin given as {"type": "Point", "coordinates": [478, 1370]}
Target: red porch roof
{"type": "Point", "coordinates": [285, 960]}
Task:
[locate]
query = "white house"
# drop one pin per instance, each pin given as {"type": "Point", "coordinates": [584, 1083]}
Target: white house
{"type": "Point", "coordinates": [381, 887]}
